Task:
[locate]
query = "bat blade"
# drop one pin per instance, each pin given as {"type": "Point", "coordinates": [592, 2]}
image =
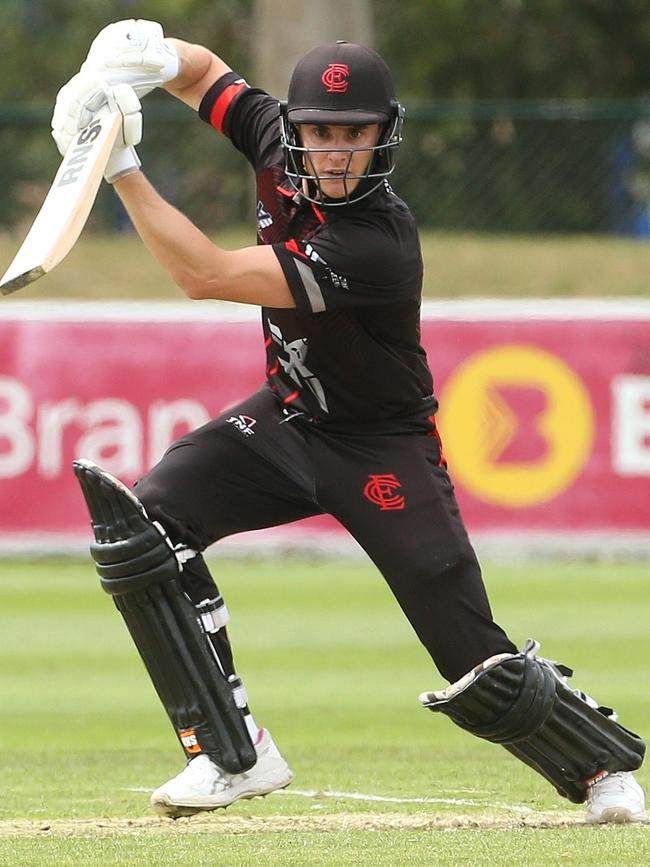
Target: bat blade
{"type": "Point", "coordinates": [67, 205]}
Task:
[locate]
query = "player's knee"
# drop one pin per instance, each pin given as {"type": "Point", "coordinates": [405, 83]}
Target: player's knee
{"type": "Point", "coordinates": [438, 573]}
{"type": "Point", "coordinates": [151, 493]}
{"type": "Point", "coordinates": [161, 506]}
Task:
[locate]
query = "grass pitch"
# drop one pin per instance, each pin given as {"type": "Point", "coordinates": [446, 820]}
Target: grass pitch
{"type": "Point", "coordinates": [334, 671]}
{"type": "Point", "coordinates": [457, 265]}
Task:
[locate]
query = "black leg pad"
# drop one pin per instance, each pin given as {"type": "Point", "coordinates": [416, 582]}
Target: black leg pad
{"type": "Point", "coordinates": [523, 702]}
{"type": "Point", "coordinates": [138, 567]}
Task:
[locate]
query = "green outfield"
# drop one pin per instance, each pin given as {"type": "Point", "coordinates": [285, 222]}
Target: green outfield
{"type": "Point", "coordinates": [457, 265]}
{"type": "Point", "coordinates": [334, 671]}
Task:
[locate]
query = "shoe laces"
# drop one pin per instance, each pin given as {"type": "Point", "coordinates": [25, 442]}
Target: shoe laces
{"type": "Point", "coordinates": [620, 782]}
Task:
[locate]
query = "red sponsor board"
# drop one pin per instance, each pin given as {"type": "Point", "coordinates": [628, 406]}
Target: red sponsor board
{"type": "Point", "coordinates": [545, 407]}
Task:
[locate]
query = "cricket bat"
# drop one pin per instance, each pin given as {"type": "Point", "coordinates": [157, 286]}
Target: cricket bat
{"type": "Point", "coordinates": [66, 207]}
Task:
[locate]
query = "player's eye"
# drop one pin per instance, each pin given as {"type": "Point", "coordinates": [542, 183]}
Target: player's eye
{"type": "Point", "coordinates": [357, 132]}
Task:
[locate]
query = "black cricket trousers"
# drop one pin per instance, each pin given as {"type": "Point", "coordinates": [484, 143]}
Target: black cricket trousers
{"type": "Point", "coordinates": [252, 467]}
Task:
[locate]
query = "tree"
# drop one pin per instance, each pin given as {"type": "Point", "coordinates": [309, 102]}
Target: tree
{"type": "Point", "coordinates": [284, 32]}
{"type": "Point", "coordinates": [517, 48]}
{"type": "Point", "coordinates": [45, 43]}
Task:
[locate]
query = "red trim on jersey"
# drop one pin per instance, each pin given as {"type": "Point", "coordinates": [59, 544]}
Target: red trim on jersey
{"type": "Point", "coordinates": [268, 342]}
{"type": "Point", "coordinates": [222, 103]}
{"type": "Point", "coordinates": [434, 432]}
{"type": "Point", "coordinates": [273, 370]}
{"type": "Point", "coordinates": [293, 247]}
{"type": "Point", "coordinates": [319, 216]}
{"type": "Point", "coordinates": [290, 397]}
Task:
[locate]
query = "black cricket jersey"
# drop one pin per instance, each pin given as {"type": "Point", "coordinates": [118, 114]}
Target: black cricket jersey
{"type": "Point", "coordinates": [348, 357]}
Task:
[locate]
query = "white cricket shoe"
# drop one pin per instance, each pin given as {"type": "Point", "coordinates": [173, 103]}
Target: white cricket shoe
{"type": "Point", "coordinates": [616, 798]}
{"type": "Point", "coordinates": [202, 785]}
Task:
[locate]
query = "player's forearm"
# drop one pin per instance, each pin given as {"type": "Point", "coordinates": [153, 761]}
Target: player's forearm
{"type": "Point", "coordinates": [199, 69]}
{"type": "Point", "coordinates": [179, 246]}
{"type": "Point", "coordinates": [198, 266]}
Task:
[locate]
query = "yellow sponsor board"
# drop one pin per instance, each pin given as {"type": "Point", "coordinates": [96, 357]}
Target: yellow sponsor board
{"type": "Point", "coordinates": [517, 425]}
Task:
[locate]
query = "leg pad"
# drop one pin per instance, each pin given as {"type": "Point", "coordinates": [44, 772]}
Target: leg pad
{"type": "Point", "coordinates": [138, 566]}
{"type": "Point", "coordinates": [523, 702]}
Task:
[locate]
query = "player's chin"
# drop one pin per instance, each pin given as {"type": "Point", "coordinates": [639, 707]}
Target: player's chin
{"type": "Point", "coordinates": [336, 188]}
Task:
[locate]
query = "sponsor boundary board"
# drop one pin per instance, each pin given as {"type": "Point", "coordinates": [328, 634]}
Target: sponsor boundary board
{"type": "Point", "coordinates": [545, 411]}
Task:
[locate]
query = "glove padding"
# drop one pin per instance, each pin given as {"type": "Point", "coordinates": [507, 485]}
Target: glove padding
{"type": "Point", "coordinates": [132, 52]}
{"type": "Point", "coordinates": [124, 159]}
{"type": "Point", "coordinates": [80, 100]}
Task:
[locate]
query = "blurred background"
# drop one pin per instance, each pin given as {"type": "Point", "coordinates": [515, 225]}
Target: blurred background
{"type": "Point", "coordinates": [523, 116]}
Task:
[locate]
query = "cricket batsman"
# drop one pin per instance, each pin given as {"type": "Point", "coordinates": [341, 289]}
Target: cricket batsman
{"type": "Point", "coordinates": [344, 424]}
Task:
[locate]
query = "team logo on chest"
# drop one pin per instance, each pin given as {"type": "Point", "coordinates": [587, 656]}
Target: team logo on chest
{"type": "Point", "coordinates": [264, 219]}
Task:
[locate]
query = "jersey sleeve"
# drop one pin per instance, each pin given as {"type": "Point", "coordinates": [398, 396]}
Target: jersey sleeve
{"type": "Point", "coordinates": [351, 265]}
{"type": "Point", "coordinates": [246, 115]}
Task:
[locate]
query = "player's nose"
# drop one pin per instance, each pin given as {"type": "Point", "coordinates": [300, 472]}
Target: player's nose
{"type": "Point", "coordinates": [337, 156]}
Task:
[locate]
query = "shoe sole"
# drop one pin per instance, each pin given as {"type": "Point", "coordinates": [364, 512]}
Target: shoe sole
{"type": "Point", "coordinates": [176, 811]}
{"type": "Point", "coordinates": [617, 816]}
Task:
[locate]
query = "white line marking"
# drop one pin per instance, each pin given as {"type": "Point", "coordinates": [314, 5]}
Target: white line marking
{"type": "Point", "coordinates": [359, 796]}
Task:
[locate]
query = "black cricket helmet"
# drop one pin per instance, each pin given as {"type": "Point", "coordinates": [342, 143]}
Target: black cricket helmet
{"type": "Point", "coordinates": [341, 84]}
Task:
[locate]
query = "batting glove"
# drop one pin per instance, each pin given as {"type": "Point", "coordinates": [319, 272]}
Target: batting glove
{"type": "Point", "coordinates": [76, 104]}
{"type": "Point", "coordinates": [80, 100]}
{"type": "Point", "coordinates": [133, 52]}
{"type": "Point", "coordinates": [123, 159]}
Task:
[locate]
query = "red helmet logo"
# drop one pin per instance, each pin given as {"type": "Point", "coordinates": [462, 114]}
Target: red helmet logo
{"type": "Point", "coordinates": [335, 77]}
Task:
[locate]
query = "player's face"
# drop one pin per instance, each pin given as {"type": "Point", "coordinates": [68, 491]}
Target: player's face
{"type": "Point", "coordinates": [336, 165]}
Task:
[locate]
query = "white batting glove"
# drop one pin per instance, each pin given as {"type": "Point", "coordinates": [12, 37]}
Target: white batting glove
{"type": "Point", "coordinates": [123, 159]}
{"type": "Point", "coordinates": [76, 104]}
{"type": "Point", "coordinates": [80, 100]}
{"type": "Point", "coordinates": [133, 52]}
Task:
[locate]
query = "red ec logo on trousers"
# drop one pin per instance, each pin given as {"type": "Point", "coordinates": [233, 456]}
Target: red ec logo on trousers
{"type": "Point", "coordinates": [381, 490]}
